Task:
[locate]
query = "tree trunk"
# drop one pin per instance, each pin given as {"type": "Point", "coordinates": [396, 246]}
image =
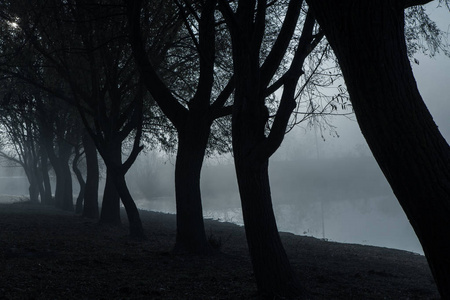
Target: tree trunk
{"type": "Point", "coordinates": [67, 200]}
{"type": "Point", "coordinates": [46, 196]}
{"type": "Point", "coordinates": [273, 272]}
{"type": "Point", "coordinates": [116, 189]}
{"type": "Point", "coordinates": [33, 189]}
{"type": "Point", "coordinates": [110, 212]}
{"type": "Point", "coordinates": [63, 190]}
{"type": "Point", "coordinates": [60, 163]}
{"type": "Point", "coordinates": [274, 275]}
{"type": "Point", "coordinates": [59, 186]}
{"type": "Point", "coordinates": [192, 142]}
{"type": "Point", "coordinates": [134, 220]}
{"type": "Point", "coordinates": [90, 209]}
{"type": "Point", "coordinates": [368, 39]}
{"type": "Point", "coordinates": [81, 182]}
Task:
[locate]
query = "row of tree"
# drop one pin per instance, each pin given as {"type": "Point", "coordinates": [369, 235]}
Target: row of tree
{"type": "Point", "coordinates": [81, 77]}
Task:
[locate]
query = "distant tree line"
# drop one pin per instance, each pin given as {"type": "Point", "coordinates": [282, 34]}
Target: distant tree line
{"type": "Point", "coordinates": [96, 82]}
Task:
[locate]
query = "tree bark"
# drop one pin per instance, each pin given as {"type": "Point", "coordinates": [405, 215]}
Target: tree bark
{"type": "Point", "coordinates": [33, 189]}
{"type": "Point", "coordinates": [192, 141]}
{"type": "Point", "coordinates": [274, 275]}
{"type": "Point", "coordinates": [90, 209]}
{"type": "Point", "coordinates": [193, 124]}
{"type": "Point", "coordinates": [81, 182]}
{"type": "Point", "coordinates": [273, 272]}
{"type": "Point", "coordinates": [110, 212]}
{"type": "Point", "coordinates": [116, 189]}
{"type": "Point", "coordinates": [134, 220]}
{"type": "Point", "coordinates": [67, 195]}
{"type": "Point", "coordinates": [46, 196]}
{"type": "Point", "coordinates": [369, 42]}
{"type": "Point", "coordinates": [60, 163]}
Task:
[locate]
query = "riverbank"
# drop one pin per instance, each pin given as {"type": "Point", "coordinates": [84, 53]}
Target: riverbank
{"type": "Point", "coordinates": [49, 254]}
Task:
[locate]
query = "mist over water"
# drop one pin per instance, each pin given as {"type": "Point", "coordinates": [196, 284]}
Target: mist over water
{"type": "Point", "coordinates": [12, 182]}
{"type": "Point", "coordinates": [341, 198]}
{"type": "Point", "coordinates": [322, 185]}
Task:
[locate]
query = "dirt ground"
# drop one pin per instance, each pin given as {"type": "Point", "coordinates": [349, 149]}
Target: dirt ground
{"type": "Point", "coordinates": [46, 253]}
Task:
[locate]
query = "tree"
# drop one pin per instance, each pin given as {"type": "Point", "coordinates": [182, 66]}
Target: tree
{"type": "Point", "coordinates": [90, 207]}
{"type": "Point", "coordinates": [253, 142]}
{"type": "Point", "coordinates": [20, 134]}
{"type": "Point", "coordinates": [96, 75]}
{"type": "Point", "coordinates": [191, 117]}
{"type": "Point", "coordinates": [368, 39]}
{"type": "Point", "coordinates": [80, 198]}
{"type": "Point", "coordinates": [111, 105]}
{"type": "Point", "coordinates": [58, 123]}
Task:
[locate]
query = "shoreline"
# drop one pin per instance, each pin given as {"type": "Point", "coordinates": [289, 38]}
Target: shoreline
{"type": "Point", "coordinates": [47, 253]}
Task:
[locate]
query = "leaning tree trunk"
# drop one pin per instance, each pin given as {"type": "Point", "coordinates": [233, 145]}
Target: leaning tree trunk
{"type": "Point", "coordinates": [192, 142]}
{"type": "Point", "coordinates": [134, 220]}
{"type": "Point", "coordinates": [273, 272]}
{"type": "Point", "coordinates": [117, 189]}
{"type": "Point", "coordinates": [90, 209]}
{"type": "Point", "coordinates": [272, 269]}
{"type": "Point", "coordinates": [369, 41]}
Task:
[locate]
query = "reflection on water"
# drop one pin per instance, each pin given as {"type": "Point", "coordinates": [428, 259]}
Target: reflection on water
{"type": "Point", "coordinates": [366, 222]}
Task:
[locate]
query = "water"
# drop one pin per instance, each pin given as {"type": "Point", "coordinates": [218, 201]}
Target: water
{"type": "Point", "coordinates": [378, 221]}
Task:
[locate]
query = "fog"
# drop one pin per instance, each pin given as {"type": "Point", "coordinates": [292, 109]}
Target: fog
{"type": "Point", "coordinates": [13, 182]}
{"type": "Point", "coordinates": [323, 186]}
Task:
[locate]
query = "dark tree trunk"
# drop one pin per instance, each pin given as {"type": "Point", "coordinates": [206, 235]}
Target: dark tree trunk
{"type": "Point", "coordinates": [273, 273]}
{"type": "Point", "coordinates": [33, 189]}
{"type": "Point", "coordinates": [63, 190]}
{"type": "Point", "coordinates": [252, 148]}
{"type": "Point", "coordinates": [192, 141]}
{"type": "Point", "coordinates": [41, 189]}
{"type": "Point", "coordinates": [134, 220]}
{"type": "Point", "coordinates": [117, 189]}
{"type": "Point", "coordinates": [46, 196]}
{"type": "Point", "coordinates": [67, 195]}
{"type": "Point", "coordinates": [110, 211]}
{"type": "Point", "coordinates": [40, 182]}
{"type": "Point", "coordinates": [90, 209]}
{"type": "Point", "coordinates": [60, 163]}
{"type": "Point", "coordinates": [59, 186]}
{"type": "Point", "coordinates": [81, 182]}
{"type": "Point", "coordinates": [369, 41]}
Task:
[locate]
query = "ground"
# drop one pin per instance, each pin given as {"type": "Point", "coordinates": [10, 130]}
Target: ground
{"type": "Point", "coordinates": [46, 253]}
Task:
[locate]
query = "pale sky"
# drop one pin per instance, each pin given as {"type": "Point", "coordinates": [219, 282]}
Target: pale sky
{"type": "Point", "coordinates": [433, 79]}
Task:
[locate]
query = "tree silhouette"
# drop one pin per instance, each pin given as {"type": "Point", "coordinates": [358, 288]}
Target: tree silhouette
{"type": "Point", "coordinates": [368, 39]}
{"type": "Point", "coordinates": [253, 143]}
{"type": "Point", "coordinates": [192, 118]}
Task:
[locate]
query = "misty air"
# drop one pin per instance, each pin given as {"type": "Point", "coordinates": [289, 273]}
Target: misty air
{"type": "Point", "coordinates": [224, 149]}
